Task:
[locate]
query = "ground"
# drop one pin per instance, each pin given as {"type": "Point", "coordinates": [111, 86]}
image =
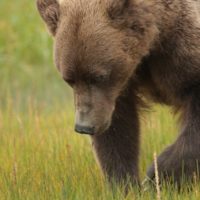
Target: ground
{"type": "Point", "coordinates": [41, 157]}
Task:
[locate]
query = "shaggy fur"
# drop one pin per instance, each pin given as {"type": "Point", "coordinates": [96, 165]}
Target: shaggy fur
{"type": "Point", "coordinates": [111, 52]}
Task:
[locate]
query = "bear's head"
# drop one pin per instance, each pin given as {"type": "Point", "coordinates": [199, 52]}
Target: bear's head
{"type": "Point", "coordinates": [97, 46]}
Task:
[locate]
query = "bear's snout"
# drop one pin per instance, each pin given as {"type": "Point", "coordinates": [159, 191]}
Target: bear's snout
{"type": "Point", "coordinates": [84, 129]}
{"type": "Point", "coordinates": [93, 111]}
{"type": "Point", "coordinates": [85, 123]}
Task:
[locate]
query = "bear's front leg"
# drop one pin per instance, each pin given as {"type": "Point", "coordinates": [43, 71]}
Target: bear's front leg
{"type": "Point", "coordinates": [117, 149]}
{"type": "Point", "coordinates": [181, 161]}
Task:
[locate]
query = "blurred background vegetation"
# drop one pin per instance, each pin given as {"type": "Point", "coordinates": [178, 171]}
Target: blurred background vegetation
{"type": "Point", "coordinates": [27, 72]}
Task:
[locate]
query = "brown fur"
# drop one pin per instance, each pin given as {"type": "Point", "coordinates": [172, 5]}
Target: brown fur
{"type": "Point", "coordinates": [110, 52]}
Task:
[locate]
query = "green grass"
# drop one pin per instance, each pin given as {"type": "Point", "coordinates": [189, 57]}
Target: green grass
{"type": "Point", "coordinates": [40, 155]}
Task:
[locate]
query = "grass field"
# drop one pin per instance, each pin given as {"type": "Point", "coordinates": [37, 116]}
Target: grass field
{"type": "Point", "coordinates": [40, 155]}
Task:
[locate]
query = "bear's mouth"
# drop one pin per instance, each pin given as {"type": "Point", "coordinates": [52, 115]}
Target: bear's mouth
{"type": "Point", "coordinates": [103, 129]}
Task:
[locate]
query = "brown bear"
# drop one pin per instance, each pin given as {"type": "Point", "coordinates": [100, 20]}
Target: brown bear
{"type": "Point", "coordinates": [114, 53]}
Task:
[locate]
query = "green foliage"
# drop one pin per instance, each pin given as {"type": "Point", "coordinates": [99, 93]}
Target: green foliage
{"type": "Point", "coordinates": [26, 62]}
{"type": "Point", "coordinates": [40, 155]}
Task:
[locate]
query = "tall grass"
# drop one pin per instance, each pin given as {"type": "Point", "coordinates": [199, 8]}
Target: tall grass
{"type": "Point", "coordinates": [40, 155]}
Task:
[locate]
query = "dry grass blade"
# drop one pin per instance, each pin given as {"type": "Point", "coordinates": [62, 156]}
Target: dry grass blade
{"type": "Point", "coordinates": [157, 177]}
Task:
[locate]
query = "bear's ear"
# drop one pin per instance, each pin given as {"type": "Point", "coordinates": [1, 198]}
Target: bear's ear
{"type": "Point", "coordinates": [117, 8]}
{"type": "Point", "coordinates": [50, 12]}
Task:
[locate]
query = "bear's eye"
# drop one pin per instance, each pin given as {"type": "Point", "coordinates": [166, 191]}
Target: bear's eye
{"type": "Point", "coordinates": [71, 82]}
{"type": "Point", "coordinates": [97, 80]}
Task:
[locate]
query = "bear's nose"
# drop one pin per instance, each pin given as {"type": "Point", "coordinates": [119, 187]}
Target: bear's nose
{"type": "Point", "coordinates": [84, 129]}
